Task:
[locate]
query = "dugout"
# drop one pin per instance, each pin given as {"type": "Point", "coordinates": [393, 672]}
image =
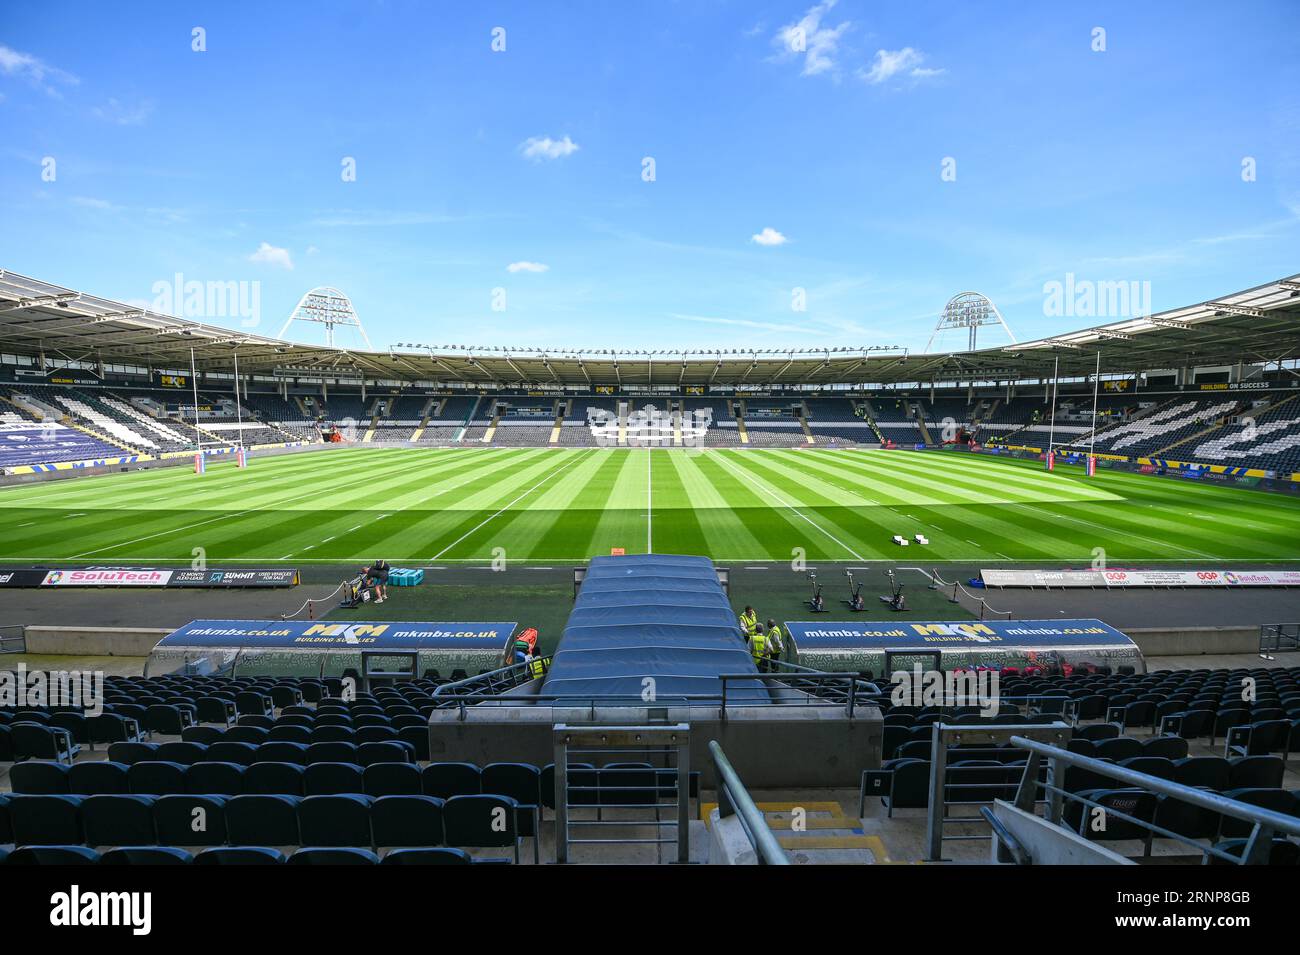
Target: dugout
{"type": "Point", "coordinates": [884, 648]}
{"type": "Point", "coordinates": [304, 648]}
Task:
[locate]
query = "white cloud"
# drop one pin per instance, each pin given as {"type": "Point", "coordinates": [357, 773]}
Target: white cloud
{"type": "Point", "coordinates": [268, 254]}
{"type": "Point", "coordinates": [34, 70]}
{"type": "Point", "coordinates": [343, 218]}
{"type": "Point", "coordinates": [807, 37]}
{"type": "Point", "coordinates": [538, 148]}
{"type": "Point", "coordinates": [891, 63]}
{"type": "Point", "coordinates": [768, 236]}
{"type": "Point", "coordinates": [527, 267]}
{"type": "Point", "coordinates": [92, 203]}
{"type": "Point", "coordinates": [312, 250]}
{"type": "Point", "coordinates": [114, 111]}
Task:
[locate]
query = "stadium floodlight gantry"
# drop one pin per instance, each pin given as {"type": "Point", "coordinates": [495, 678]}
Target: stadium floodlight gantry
{"type": "Point", "coordinates": [1257, 326]}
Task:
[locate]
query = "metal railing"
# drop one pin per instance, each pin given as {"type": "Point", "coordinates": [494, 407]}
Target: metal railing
{"type": "Point", "coordinates": [638, 787]}
{"type": "Point", "coordinates": [805, 688]}
{"type": "Point", "coordinates": [949, 785]}
{"type": "Point", "coordinates": [13, 639]}
{"type": "Point", "coordinates": [1264, 822]}
{"type": "Point", "coordinates": [490, 684]}
{"type": "Point", "coordinates": [734, 800]}
{"type": "Point", "coordinates": [956, 586]}
{"type": "Point", "coordinates": [1279, 638]}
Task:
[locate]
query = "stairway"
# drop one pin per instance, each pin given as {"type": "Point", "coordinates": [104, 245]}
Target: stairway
{"type": "Point", "coordinates": [803, 423]}
{"type": "Point", "coordinates": [919, 413]}
{"type": "Point", "coordinates": [418, 433]}
{"type": "Point", "coordinates": [817, 833]}
{"type": "Point", "coordinates": [561, 409]}
{"type": "Point", "coordinates": [739, 412]}
{"type": "Point", "coordinates": [492, 426]}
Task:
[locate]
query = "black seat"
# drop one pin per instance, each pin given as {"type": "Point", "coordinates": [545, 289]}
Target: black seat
{"type": "Point", "coordinates": [274, 779]}
{"type": "Point", "coordinates": [407, 821]}
{"type": "Point", "coordinates": [98, 777]}
{"type": "Point", "coordinates": [263, 820]}
{"type": "Point", "coordinates": [190, 820]}
{"type": "Point", "coordinates": [481, 821]}
{"type": "Point", "coordinates": [240, 855]}
{"type": "Point", "coordinates": [335, 820]}
{"type": "Point", "coordinates": [146, 855]}
{"type": "Point", "coordinates": [394, 779]}
{"type": "Point", "coordinates": [445, 780]}
{"type": "Point", "coordinates": [338, 855]}
{"type": "Point", "coordinates": [156, 778]}
{"type": "Point", "coordinates": [223, 779]}
{"type": "Point", "coordinates": [39, 778]}
{"type": "Point", "coordinates": [53, 855]}
{"type": "Point", "coordinates": [122, 820]}
{"type": "Point", "coordinates": [327, 779]}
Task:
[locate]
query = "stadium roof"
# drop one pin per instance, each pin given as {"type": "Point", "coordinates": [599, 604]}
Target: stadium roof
{"type": "Point", "coordinates": [1258, 325]}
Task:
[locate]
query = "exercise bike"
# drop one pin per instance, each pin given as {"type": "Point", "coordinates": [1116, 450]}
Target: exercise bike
{"type": "Point", "coordinates": [856, 602]}
{"type": "Point", "coordinates": [895, 601]}
{"type": "Point", "coordinates": [816, 602]}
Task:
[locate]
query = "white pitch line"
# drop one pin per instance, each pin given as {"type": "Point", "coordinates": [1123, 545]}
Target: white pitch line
{"type": "Point", "coordinates": [481, 523]}
{"type": "Point", "coordinates": [649, 502]}
{"type": "Point", "coordinates": [226, 517]}
{"type": "Point", "coordinates": [793, 510]}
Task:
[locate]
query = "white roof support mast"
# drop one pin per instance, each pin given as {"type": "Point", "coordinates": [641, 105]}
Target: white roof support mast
{"type": "Point", "coordinates": [969, 310]}
{"type": "Point", "coordinates": [328, 307]}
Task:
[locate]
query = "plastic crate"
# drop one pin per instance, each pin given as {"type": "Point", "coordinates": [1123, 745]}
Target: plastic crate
{"type": "Point", "coordinates": [405, 577]}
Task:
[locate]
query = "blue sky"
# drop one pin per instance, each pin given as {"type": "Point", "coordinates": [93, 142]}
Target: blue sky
{"type": "Point", "coordinates": [780, 163]}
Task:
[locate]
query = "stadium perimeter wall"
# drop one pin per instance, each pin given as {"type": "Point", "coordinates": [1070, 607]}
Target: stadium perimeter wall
{"type": "Point", "coordinates": [128, 641]}
{"type": "Point", "coordinates": [93, 641]}
{"type": "Point", "coordinates": [1192, 641]}
{"type": "Point", "coordinates": [771, 747]}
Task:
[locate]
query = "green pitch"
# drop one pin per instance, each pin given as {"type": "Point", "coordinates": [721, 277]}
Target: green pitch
{"type": "Point", "coordinates": [428, 505]}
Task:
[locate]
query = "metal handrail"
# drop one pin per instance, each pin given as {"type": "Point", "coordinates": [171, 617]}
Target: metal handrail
{"type": "Point", "coordinates": [1265, 821]}
{"type": "Point", "coordinates": [846, 688]}
{"type": "Point", "coordinates": [15, 642]}
{"type": "Point", "coordinates": [1279, 637]}
{"type": "Point", "coordinates": [734, 799]}
{"type": "Point", "coordinates": [1004, 839]}
{"type": "Point", "coordinates": [507, 678]}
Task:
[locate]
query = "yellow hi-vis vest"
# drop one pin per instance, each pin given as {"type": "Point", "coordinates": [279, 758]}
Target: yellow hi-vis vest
{"type": "Point", "coordinates": [758, 646]}
{"type": "Point", "coordinates": [749, 621]}
{"type": "Point", "coordinates": [774, 638]}
{"type": "Point", "coordinates": [537, 668]}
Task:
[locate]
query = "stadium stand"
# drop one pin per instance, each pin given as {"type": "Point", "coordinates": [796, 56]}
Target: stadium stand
{"type": "Point", "coordinates": [1163, 426]}
{"type": "Point", "coordinates": [587, 417]}
{"type": "Point", "coordinates": [288, 767]}
{"type": "Point", "coordinates": [1267, 437]}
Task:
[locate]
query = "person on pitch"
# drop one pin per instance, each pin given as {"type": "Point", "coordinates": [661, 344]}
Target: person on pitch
{"type": "Point", "coordinates": [378, 574]}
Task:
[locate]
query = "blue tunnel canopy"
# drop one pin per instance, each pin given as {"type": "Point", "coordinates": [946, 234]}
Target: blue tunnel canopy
{"type": "Point", "coordinates": [651, 615]}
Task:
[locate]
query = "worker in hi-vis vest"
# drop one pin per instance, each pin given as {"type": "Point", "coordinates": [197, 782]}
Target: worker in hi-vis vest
{"type": "Point", "coordinates": [748, 620]}
{"type": "Point", "coordinates": [536, 668]}
{"type": "Point", "coordinates": [758, 648]}
{"type": "Point", "coordinates": [774, 645]}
